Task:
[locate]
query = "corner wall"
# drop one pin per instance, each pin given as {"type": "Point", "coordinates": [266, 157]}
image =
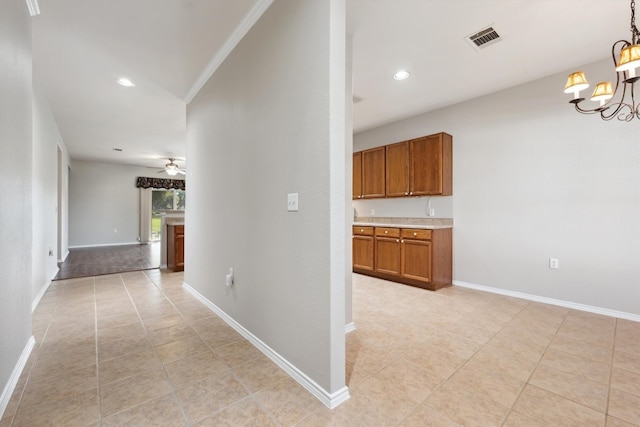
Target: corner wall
{"type": "Point", "coordinates": [16, 177]}
{"type": "Point", "coordinates": [269, 122]}
{"type": "Point", "coordinates": [46, 142]}
{"type": "Point", "coordinates": [533, 179]}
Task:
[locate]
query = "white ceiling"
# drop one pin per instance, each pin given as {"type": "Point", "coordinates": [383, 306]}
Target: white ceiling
{"type": "Point", "coordinates": [82, 47]}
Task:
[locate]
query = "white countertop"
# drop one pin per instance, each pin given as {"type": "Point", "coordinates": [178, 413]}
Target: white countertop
{"type": "Point", "coordinates": [400, 225]}
{"type": "Point", "coordinates": [400, 222]}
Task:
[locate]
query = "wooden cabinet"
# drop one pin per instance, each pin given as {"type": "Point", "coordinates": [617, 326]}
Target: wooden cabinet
{"type": "Point", "coordinates": [397, 169]}
{"type": "Point", "coordinates": [417, 257]}
{"type": "Point", "coordinates": [357, 175]}
{"type": "Point", "coordinates": [417, 167]}
{"type": "Point", "coordinates": [368, 173]}
{"type": "Point", "coordinates": [387, 254]}
{"type": "Point", "coordinates": [431, 165]}
{"type": "Point", "coordinates": [363, 247]}
{"type": "Point", "coordinates": [420, 167]}
{"type": "Point", "coordinates": [175, 247]}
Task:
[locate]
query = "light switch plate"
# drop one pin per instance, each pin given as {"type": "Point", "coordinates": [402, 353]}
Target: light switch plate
{"type": "Point", "coordinates": [292, 202]}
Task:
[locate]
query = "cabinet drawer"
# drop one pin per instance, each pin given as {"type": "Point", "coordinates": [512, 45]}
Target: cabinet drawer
{"type": "Point", "coordinates": [387, 232]}
{"type": "Point", "coordinates": [416, 233]}
{"type": "Point", "coordinates": [362, 231]}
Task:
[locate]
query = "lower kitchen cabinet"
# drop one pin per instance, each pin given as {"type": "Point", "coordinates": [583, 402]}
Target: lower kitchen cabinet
{"type": "Point", "coordinates": [175, 247]}
{"type": "Point", "coordinates": [417, 257]}
{"type": "Point", "coordinates": [363, 247]}
{"type": "Point", "coordinates": [387, 250]}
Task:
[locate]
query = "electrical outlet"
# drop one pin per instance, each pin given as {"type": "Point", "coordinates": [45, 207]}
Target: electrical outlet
{"type": "Point", "coordinates": [229, 278]}
{"type": "Point", "coordinates": [292, 202]}
{"type": "Point", "coordinates": [553, 263]}
{"type": "Point", "coordinates": [373, 212]}
{"type": "Point", "coordinates": [115, 230]}
{"type": "Point", "coordinates": [432, 212]}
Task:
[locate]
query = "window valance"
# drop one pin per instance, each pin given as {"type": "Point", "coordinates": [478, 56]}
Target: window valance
{"type": "Point", "coordinates": [169, 184]}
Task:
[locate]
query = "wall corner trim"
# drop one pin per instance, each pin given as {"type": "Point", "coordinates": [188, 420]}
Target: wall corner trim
{"type": "Point", "coordinates": [241, 30]}
{"type": "Point", "coordinates": [349, 327]}
{"type": "Point", "coordinates": [552, 301]}
{"type": "Point", "coordinates": [330, 400]}
{"type": "Point", "coordinates": [15, 375]}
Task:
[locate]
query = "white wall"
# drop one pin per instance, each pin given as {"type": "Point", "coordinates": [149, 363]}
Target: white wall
{"type": "Point", "coordinates": [15, 176]}
{"type": "Point", "coordinates": [104, 197]}
{"type": "Point", "coordinates": [260, 129]}
{"type": "Point", "coordinates": [46, 141]}
{"type": "Point", "coordinates": [533, 179]}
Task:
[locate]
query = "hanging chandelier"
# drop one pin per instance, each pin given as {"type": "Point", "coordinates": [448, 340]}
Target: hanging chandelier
{"type": "Point", "coordinates": [621, 102]}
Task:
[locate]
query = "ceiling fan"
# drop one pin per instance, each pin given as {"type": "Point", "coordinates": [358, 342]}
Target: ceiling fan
{"type": "Point", "coordinates": [172, 168]}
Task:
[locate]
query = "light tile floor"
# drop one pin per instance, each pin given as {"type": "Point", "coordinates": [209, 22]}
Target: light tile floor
{"type": "Point", "coordinates": [135, 349]}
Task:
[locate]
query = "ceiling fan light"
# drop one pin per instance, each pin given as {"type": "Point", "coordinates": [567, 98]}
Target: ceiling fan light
{"type": "Point", "coordinates": [576, 82]}
{"type": "Point", "coordinates": [171, 171]}
{"type": "Point", "coordinates": [629, 58]}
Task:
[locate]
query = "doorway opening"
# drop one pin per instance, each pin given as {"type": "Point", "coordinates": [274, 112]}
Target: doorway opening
{"type": "Point", "coordinates": [161, 201]}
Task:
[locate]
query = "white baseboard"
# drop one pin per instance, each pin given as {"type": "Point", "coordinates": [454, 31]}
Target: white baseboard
{"type": "Point", "coordinates": [350, 327]}
{"type": "Point", "coordinates": [552, 301]}
{"type": "Point", "coordinates": [64, 257]}
{"type": "Point", "coordinates": [15, 375]}
{"type": "Point", "coordinates": [331, 400]}
{"type": "Point", "coordinates": [104, 244]}
{"type": "Point", "coordinates": [38, 297]}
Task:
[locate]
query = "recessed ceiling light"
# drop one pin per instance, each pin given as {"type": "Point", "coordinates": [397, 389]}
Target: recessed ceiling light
{"type": "Point", "coordinates": [401, 75]}
{"type": "Point", "coordinates": [125, 82]}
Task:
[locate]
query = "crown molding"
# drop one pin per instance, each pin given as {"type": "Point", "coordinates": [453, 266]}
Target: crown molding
{"type": "Point", "coordinates": [249, 20]}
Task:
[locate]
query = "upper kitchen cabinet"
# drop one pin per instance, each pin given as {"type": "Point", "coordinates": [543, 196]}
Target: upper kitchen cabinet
{"type": "Point", "coordinates": [431, 165]}
{"type": "Point", "coordinates": [420, 167]}
{"type": "Point", "coordinates": [397, 173]}
{"type": "Point", "coordinates": [368, 173]}
{"type": "Point", "coordinates": [357, 175]}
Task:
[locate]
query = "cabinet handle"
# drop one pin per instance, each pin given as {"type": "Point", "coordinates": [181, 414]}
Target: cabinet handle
{"type": "Point", "coordinates": [401, 241]}
{"type": "Point", "coordinates": [415, 234]}
{"type": "Point", "coordinates": [397, 240]}
{"type": "Point", "coordinates": [385, 231]}
{"type": "Point", "coordinates": [405, 193]}
{"type": "Point", "coordinates": [361, 230]}
{"type": "Point", "coordinates": [410, 193]}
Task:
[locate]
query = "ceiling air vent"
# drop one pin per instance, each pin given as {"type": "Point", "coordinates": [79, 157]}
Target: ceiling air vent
{"type": "Point", "coordinates": [484, 38]}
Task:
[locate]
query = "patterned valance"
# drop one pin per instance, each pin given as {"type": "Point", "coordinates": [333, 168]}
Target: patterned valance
{"type": "Point", "coordinates": [169, 184]}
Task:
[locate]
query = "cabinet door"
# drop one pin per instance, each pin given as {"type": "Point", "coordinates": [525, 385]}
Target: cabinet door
{"type": "Point", "coordinates": [179, 247]}
{"type": "Point", "coordinates": [430, 160]}
{"type": "Point", "coordinates": [373, 172]}
{"type": "Point", "coordinates": [357, 175]}
{"type": "Point", "coordinates": [363, 252]}
{"type": "Point", "coordinates": [397, 169]}
{"type": "Point", "coordinates": [416, 260]}
{"type": "Point", "coordinates": [388, 255]}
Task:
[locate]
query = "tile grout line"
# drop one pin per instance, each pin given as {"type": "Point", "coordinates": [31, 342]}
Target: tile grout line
{"type": "Point", "coordinates": [146, 330]}
{"type": "Point", "coordinates": [534, 370]}
{"type": "Point", "coordinates": [613, 355]}
{"type": "Point", "coordinates": [231, 370]}
{"type": "Point", "coordinates": [464, 364]}
{"type": "Point", "coordinates": [95, 328]}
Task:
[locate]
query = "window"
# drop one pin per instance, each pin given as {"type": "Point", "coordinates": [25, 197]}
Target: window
{"type": "Point", "coordinates": [164, 200]}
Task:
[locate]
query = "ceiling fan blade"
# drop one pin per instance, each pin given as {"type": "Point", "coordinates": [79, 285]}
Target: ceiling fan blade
{"type": "Point", "coordinates": [182, 172]}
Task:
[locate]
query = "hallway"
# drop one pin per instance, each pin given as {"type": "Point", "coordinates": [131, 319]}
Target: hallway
{"type": "Point", "coordinates": [136, 349]}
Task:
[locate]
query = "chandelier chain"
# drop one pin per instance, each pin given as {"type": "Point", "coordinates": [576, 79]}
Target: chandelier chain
{"type": "Point", "coordinates": [635, 34]}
